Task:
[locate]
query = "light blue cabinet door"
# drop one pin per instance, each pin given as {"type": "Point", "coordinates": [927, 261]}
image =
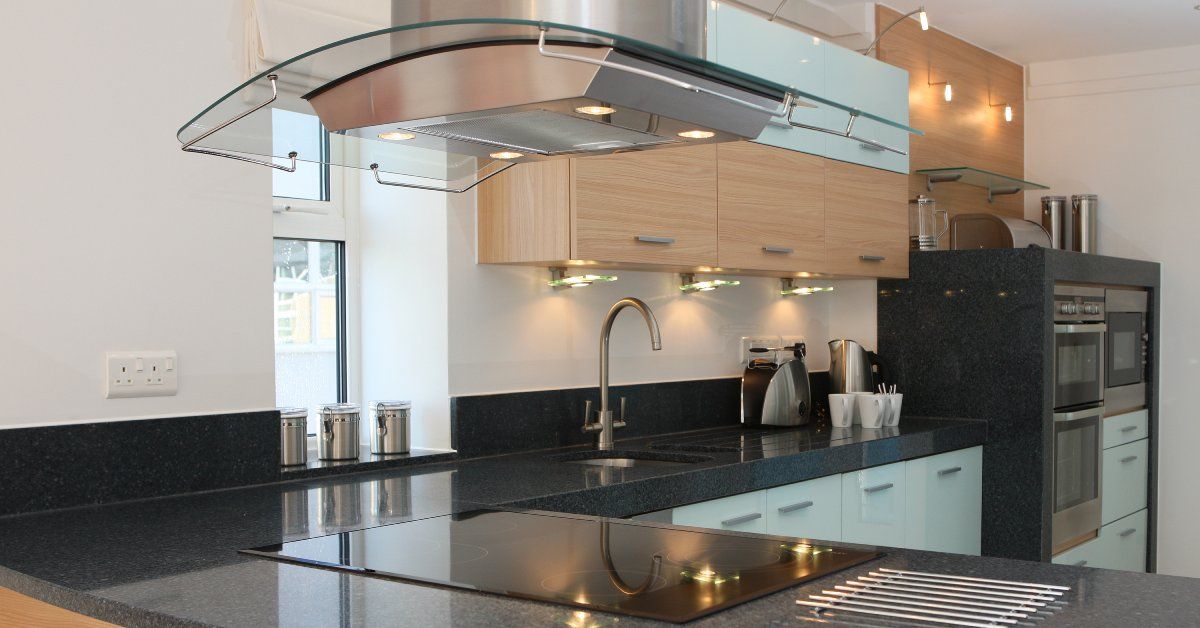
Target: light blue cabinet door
{"type": "Point", "coordinates": [1124, 543]}
{"type": "Point", "coordinates": [810, 510]}
{"type": "Point", "coordinates": [1125, 428]}
{"type": "Point", "coordinates": [747, 42]}
{"type": "Point", "coordinates": [1123, 480]}
{"type": "Point", "coordinates": [873, 503]}
{"type": "Point", "coordinates": [944, 512]}
{"type": "Point", "coordinates": [871, 85]}
{"type": "Point", "coordinates": [744, 513]}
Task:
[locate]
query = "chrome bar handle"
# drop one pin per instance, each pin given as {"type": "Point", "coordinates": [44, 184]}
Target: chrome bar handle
{"type": "Point", "coordinates": [949, 471]}
{"type": "Point", "coordinates": [878, 487]}
{"type": "Point", "coordinates": [1125, 533]}
{"type": "Point", "coordinates": [742, 519]}
{"type": "Point", "coordinates": [872, 258]}
{"type": "Point", "coordinates": [662, 78]}
{"type": "Point", "coordinates": [785, 250]}
{"type": "Point", "coordinates": [654, 239]}
{"type": "Point", "coordinates": [1128, 428]}
{"type": "Point", "coordinates": [783, 510]}
{"type": "Point", "coordinates": [416, 186]}
{"type": "Point", "coordinates": [187, 147]}
{"type": "Point", "coordinates": [1128, 459]}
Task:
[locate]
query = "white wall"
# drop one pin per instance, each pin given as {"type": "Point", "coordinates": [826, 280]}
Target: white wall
{"type": "Point", "coordinates": [111, 238]}
{"type": "Point", "coordinates": [404, 318]}
{"type": "Point", "coordinates": [1125, 127]}
{"type": "Point", "coordinates": [509, 331]}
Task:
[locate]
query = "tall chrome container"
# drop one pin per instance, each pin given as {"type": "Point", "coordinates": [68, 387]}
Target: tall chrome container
{"type": "Point", "coordinates": [389, 431]}
{"type": "Point", "coordinates": [1054, 219]}
{"type": "Point", "coordinates": [339, 432]}
{"type": "Point", "coordinates": [293, 436]}
{"type": "Point", "coordinates": [1083, 222]}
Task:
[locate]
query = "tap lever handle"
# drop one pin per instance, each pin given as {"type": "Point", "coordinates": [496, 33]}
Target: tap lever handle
{"type": "Point", "coordinates": [622, 408]}
{"type": "Point", "coordinates": [588, 424]}
{"type": "Point", "coordinates": [620, 422]}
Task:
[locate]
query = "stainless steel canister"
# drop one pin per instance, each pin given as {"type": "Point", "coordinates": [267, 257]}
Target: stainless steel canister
{"type": "Point", "coordinates": [339, 432]}
{"type": "Point", "coordinates": [1054, 218]}
{"type": "Point", "coordinates": [293, 436]}
{"type": "Point", "coordinates": [389, 432]}
{"type": "Point", "coordinates": [1083, 222]}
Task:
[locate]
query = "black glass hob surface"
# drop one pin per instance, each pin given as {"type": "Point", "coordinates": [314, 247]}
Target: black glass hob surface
{"type": "Point", "coordinates": [614, 566]}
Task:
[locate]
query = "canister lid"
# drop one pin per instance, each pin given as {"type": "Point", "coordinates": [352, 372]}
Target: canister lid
{"type": "Point", "coordinates": [339, 409]}
{"type": "Point", "coordinates": [289, 414]}
{"type": "Point", "coordinates": [384, 406]}
{"type": "Point", "coordinates": [1054, 198]}
{"type": "Point", "coordinates": [1084, 197]}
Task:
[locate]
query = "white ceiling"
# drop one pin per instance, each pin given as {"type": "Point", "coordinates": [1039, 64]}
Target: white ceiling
{"type": "Point", "coordinates": [1027, 31]}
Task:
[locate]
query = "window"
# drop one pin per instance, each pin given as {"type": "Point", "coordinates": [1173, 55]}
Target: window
{"type": "Point", "coordinates": [310, 354]}
{"type": "Point", "coordinates": [303, 133]}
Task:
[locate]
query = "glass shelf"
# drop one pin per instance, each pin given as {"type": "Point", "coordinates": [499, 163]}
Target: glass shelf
{"type": "Point", "coordinates": [996, 184]}
{"type": "Point", "coordinates": [239, 123]}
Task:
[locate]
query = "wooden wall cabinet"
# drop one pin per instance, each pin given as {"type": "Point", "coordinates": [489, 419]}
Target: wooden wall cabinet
{"type": "Point", "coordinates": [770, 208]}
{"type": "Point", "coordinates": [743, 207]}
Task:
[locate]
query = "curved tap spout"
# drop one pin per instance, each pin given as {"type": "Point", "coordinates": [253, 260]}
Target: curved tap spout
{"type": "Point", "coordinates": [606, 421]}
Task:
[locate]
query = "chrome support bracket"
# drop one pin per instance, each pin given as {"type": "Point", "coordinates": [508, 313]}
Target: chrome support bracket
{"type": "Point", "coordinates": [188, 147]}
{"type": "Point", "coordinates": [434, 188]}
{"type": "Point", "coordinates": [848, 133]}
{"type": "Point", "coordinates": [930, 179]}
{"type": "Point", "coordinates": [994, 192]}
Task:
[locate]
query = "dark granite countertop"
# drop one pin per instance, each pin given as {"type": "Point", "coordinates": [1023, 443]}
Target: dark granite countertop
{"type": "Point", "coordinates": [173, 561]}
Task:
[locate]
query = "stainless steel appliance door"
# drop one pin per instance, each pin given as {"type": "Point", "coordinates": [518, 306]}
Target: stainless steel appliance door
{"type": "Point", "coordinates": [1077, 443]}
{"type": "Point", "coordinates": [1078, 364]}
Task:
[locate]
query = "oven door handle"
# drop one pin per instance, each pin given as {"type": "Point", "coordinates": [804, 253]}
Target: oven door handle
{"type": "Point", "coordinates": [1079, 328]}
{"type": "Point", "coordinates": [1086, 413]}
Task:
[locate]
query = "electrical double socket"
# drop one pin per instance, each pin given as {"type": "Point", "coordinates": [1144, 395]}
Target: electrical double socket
{"type": "Point", "coordinates": [141, 374]}
{"type": "Point", "coordinates": [750, 342]}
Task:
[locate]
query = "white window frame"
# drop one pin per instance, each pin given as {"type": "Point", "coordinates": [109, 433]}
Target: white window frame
{"type": "Point", "coordinates": [335, 220]}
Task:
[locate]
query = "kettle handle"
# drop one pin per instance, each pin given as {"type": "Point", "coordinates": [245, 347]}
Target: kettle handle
{"type": "Point", "coordinates": [885, 372]}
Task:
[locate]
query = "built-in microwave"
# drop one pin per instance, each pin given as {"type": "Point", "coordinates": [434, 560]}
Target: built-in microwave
{"type": "Point", "coordinates": [1126, 348]}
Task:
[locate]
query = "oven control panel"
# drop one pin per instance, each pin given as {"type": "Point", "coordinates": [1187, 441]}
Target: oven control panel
{"type": "Point", "coordinates": [1078, 303]}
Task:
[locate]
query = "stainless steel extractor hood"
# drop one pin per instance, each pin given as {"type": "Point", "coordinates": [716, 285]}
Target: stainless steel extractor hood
{"type": "Point", "coordinates": [458, 90]}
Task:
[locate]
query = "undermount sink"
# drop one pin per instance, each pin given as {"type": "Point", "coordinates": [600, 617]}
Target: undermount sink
{"type": "Point", "coordinates": [629, 458]}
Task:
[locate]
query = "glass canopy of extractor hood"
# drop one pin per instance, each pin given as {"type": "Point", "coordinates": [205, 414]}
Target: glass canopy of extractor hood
{"type": "Point", "coordinates": [239, 124]}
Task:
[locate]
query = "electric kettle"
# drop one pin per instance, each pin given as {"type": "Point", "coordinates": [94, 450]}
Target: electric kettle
{"type": "Point", "coordinates": [850, 368]}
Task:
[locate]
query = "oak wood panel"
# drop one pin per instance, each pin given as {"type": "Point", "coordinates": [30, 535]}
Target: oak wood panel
{"type": "Point", "coordinates": [770, 197]}
{"type": "Point", "coordinates": [966, 131]}
{"type": "Point", "coordinates": [866, 213]}
{"type": "Point", "coordinates": [525, 214]}
{"type": "Point", "coordinates": [21, 610]}
{"type": "Point", "coordinates": [664, 193]}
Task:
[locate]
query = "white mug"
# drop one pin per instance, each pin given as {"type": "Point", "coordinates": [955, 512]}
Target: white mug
{"type": "Point", "coordinates": [895, 400]}
{"type": "Point", "coordinates": [842, 410]}
{"type": "Point", "coordinates": [857, 414]}
{"type": "Point", "coordinates": [871, 410]}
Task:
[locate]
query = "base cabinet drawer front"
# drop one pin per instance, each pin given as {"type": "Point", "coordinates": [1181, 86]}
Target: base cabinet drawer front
{"type": "Point", "coordinates": [743, 513]}
{"type": "Point", "coordinates": [873, 502]}
{"type": "Point", "coordinates": [1124, 543]}
{"type": "Point", "coordinates": [651, 207]}
{"type": "Point", "coordinates": [1123, 480]}
{"type": "Point", "coordinates": [866, 221]}
{"type": "Point", "coordinates": [811, 510]}
{"type": "Point", "coordinates": [1089, 554]}
{"type": "Point", "coordinates": [944, 512]}
{"type": "Point", "coordinates": [770, 208]}
{"type": "Point", "coordinates": [1125, 428]}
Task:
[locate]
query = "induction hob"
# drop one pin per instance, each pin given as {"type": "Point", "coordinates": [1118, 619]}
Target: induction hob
{"type": "Point", "coordinates": [603, 565]}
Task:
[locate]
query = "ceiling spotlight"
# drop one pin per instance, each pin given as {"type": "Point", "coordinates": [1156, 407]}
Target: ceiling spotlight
{"type": "Point", "coordinates": [688, 283]}
{"type": "Point", "coordinates": [595, 110]}
{"type": "Point", "coordinates": [395, 136]}
{"type": "Point", "coordinates": [696, 134]}
{"type": "Point", "coordinates": [788, 288]}
{"type": "Point", "coordinates": [559, 279]}
{"type": "Point", "coordinates": [506, 154]}
{"type": "Point", "coordinates": [924, 18]}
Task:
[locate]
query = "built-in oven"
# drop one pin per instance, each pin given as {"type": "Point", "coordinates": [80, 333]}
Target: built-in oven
{"type": "Point", "coordinates": [1126, 349]}
{"type": "Point", "coordinates": [1079, 406]}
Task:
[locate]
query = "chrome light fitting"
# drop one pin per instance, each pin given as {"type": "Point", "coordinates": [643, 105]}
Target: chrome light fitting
{"type": "Point", "coordinates": [947, 93]}
{"type": "Point", "coordinates": [688, 283]}
{"type": "Point", "coordinates": [922, 17]}
{"type": "Point", "coordinates": [788, 288]}
{"type": "Point", "coordinates": [1008, 113]}
{"type": "Point", "coordinates": [560, 281]}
